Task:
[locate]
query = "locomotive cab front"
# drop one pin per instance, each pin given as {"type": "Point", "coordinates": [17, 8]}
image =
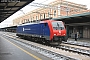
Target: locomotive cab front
{"type": "Point", "coordinates": [59, 31]}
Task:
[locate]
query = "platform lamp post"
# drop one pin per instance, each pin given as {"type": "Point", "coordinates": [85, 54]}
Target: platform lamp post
{"type": "Point", "coordinates": [67, 9]}
{"type": "Point", "coordinates": [23, 14]}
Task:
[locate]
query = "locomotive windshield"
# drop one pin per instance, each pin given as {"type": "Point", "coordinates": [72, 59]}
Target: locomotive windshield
{"type": "Point", "coordinates": [57, 25]}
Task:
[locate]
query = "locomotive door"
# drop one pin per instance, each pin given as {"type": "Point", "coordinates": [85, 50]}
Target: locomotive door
{"type": "Point", "coordinates": [44, 28]}
{"type": "Point", "coordinates": [45, 31]}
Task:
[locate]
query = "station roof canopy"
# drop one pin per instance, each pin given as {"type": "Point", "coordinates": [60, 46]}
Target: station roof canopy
{"type": "Point", "coordinates": [76, 19]}
{"type": "Point", "coordinates": [9, 7]}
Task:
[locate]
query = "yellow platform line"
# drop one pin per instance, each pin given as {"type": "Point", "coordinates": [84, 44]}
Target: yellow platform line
{"type": "Point", "coordinates": [23, 50]}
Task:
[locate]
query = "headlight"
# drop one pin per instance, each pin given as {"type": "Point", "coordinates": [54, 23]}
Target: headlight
{"type": "Point", "coordinates": [54, 34]}
{"type": "Point", "coordinates": [63, 34]}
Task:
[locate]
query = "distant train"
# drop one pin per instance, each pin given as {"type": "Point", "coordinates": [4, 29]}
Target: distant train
{"type": "Point", "coordinates": [48, 31]}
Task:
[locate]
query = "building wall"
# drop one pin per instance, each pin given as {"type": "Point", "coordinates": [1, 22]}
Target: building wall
{"type": "Point", "coordinates": [86, 32]}
{"type": "Point", "coordinates": [66, 9]}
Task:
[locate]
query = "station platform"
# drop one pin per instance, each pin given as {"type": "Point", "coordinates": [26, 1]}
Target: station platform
{"type": "Point", "coordinates": [10, 50]}
{"type": "Point", "coordinates": [84, 40]}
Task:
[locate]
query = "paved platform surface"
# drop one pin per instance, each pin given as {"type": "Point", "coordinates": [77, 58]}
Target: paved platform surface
{"type": "Point", "coordinates": [10, 50]}
{"type": "Point", "coordinates": [81, 40]}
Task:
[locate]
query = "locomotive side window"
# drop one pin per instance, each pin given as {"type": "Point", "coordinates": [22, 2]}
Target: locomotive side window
{"type": "Point", "coordinates": [45, 24]}
{"type": "Point", "coordinates": [57, 25]}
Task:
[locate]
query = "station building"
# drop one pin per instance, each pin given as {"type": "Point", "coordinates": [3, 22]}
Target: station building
{"type": "Point", "coordinates": [58, 8]}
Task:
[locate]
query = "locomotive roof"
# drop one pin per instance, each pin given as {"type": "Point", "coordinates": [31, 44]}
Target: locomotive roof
{"type": "Point", "coordinates": [30, 23]}
{"type": "Point", "coordinates": [38, 22]}
{"type": "Point", "coordinates": [27, 24]}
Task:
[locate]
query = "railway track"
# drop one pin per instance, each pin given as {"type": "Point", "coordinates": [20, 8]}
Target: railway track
{"type": "Point", "coordinates": [74, 49]}
{"type": "Point", "coordinates": [83, 44]}
{"type": "Point", "coordinates": [76, 46]}
{"type": "Point", "coordinates": [57, 56]}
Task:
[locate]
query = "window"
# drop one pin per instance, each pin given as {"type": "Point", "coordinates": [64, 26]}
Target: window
{"type": "Point", "coordinates": [36, 17]}
{"type": "Point", "coordinates": [44, 15]}
{"type": "Point", "coordinates": [57, 25]}
{"type": "Point", "coordinates": [28, 20]}
{"type": "Point", "coordinates": [55, 13]}
{"type": "Point", "coordinates": [48, 14]}
{"type": "Point", "coordinates": [45, 24]}
{"type": "Point", "coordinates": [40, 16]}
{"type": "Point", "coordinates": [33, 18]}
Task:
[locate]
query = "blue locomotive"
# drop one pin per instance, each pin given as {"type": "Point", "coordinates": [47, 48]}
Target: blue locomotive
{"type": "Point", "coordinates": [46, 31]}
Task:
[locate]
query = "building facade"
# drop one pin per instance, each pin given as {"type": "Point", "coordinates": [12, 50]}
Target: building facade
{"type": "Point", "coordinates": [55, 9]}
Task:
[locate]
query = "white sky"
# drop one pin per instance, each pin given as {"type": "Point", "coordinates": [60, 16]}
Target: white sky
{"type": "Point", "coordinates": [28, 8]}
